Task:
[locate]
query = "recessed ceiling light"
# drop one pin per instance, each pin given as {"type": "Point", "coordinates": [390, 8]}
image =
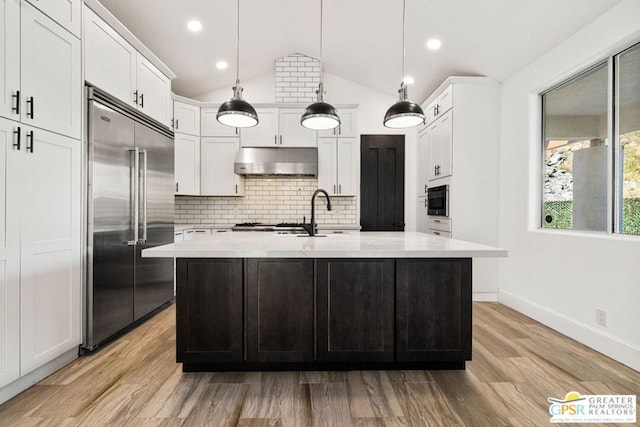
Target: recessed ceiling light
{"type": "Point", "coordinates": [194, 25]}
{"type": "Point", "coordinates": [434, 44]}
{"type": "Point", "coordinates": [222, 65]}
{"type": "Point", "coordinates": [408, 80]}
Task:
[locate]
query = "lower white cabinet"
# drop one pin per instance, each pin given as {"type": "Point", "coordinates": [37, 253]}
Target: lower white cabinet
{"type": "Point", "coordinates": [187, 164]}
{"type": "Point", "coordinates": [335, 166]}
{"type": "Point", "coordinates": [217, 178]}
{"type": "Point", "coordinates": [42, 193]}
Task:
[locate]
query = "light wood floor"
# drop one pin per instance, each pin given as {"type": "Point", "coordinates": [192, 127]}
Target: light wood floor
{"type": "Point", "coordinates": [517, 364]}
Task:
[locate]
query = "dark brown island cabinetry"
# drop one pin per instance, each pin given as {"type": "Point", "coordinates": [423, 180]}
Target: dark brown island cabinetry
{"type": "Point", "coordinates": [329, 313]}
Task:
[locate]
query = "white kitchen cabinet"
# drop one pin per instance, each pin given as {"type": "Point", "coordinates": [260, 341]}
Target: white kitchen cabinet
{"type": "Point", "coordinates": [421, 214]}
{"type": "Point", "coordinates": [187, 164]}
{"type": "Point", "coordinates": [115, 66]}
{"type": "Point", "coordinates": [278, 127]}
{"type": "Point", "coordinates": [336, 158]}
{"type": "Point", "coordinates": [51, 86]}
{"type": "Point", "coordinates": [347, 125]}
{"type": "Point", "coordinates": [422, 163]}
{"type": "Point", "coordinates": [110, 61]}
{"type": "Point", "coordinates": [9, 254]}
{"type": "Point", "coordinates": [212, 127]}
{"type": "Point", "coordinates": [291, 132]}
{"type": "Point", "coordinates": [50, 259]}
{"type": "Point", "coordinates": [10, 58]}
{"type": "Point", "coordinates": [153, 91]}
{"type": "Point", "coordinates": [64, 12]}
{"type": "Point", "coordinates": [439, 106]}
{"type": "Point", "coordinates": [439, 137]}
{"type": "Point", "coordinates": [217, 178]}
{"type": "Point", "coordinates": [40, 257]}
{"type": "Point", "coordinates": [265, 133]}
{"type": "Point", "coordinates": [186, 118]}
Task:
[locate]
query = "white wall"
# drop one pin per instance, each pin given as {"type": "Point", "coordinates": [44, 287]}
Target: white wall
{"type": "Point", "coordinates": [559, 278]}
{"type": "Point", "coordinates": [372, 106]}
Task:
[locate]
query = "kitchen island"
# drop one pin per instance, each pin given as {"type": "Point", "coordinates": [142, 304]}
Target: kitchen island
{"type": "Point", "coordinates": [263, 301]}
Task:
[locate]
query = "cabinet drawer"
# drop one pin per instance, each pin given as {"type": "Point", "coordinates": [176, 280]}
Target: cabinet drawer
{"type": "Point", "coordinates": [441, 224]}
{"type": "Point", "coordinates": [439, 233]}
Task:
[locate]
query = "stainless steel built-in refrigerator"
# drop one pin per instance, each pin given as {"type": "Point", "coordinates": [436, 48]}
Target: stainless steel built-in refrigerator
{"type": "Point", "coordinates": [130, 208]}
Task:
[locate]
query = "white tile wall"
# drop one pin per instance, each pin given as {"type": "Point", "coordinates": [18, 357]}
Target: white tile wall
{"type": "Point", "coordinates": [267, 200]}
{"type": "Point", "coordinates": [297, 78]}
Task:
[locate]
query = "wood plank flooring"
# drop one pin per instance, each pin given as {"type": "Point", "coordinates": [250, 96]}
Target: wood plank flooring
{"type": "Point", "coordinates": [517, 364]}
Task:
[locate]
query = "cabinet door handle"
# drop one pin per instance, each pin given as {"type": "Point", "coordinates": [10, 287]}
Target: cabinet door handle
{"type": "Point", "coordinates": [436, 233]}
{"type": "Point", "coordinates": [339, 188]}
{"type": "Point", "coordinates": [436, 220]}
{"type": "Point", "coordinates": [135, 99]}
{"type": "Point", "coordinates": [236, 131]}
{"type": "Point", "coordinates": [334, 189]}
{"type": "Point", "coordinates": [30, 104]}
{"type": "Point", "coordinates": [30, 141]}
{"type": "Point", "coordinates": [425, 189]}
{"type": "Point", "coordinates": [16, 109]}
{"type": "Point", "coordinates": [16, 144]}
{"type": "Point", "coordinates": [236, 188]}
{"type": "Point", "coordinates": [275, 139]}
{"type": "Point", "coordinates": [142, 100]}
{"type": "Point", "coordinates": [280, 139]}
{"type": "Point", "coordinates": [177, 124]}
{"type": "Point", "coordinates": [176, 187]}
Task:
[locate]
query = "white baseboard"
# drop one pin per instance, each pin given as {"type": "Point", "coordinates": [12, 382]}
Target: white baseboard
{"type": "Point", "coordinates": [622, 351]}
{"type": "Point", "coordinates": [485, 296]}
{"type": "Point", "coordinates": [23, 383]}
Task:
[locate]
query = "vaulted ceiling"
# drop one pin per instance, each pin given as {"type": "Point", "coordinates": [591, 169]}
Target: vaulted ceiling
{"type": "Point", "coordinates": [362, 38]}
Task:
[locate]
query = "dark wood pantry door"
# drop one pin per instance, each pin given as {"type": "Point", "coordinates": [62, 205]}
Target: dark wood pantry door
{"type": "Point", "coordinates": [382, 182]}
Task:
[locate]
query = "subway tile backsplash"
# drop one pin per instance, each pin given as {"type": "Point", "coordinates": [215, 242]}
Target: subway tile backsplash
{"type": "Point", "coordinates": [267, 200]}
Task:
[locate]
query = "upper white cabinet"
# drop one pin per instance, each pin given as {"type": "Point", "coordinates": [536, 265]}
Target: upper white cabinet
{"type": "Point", "coordinates": [115, 66]}
{"type": "Point", "coordinates": [187, 164]}
{"type": "Point", "coordinates": [64, 12]}
{"type": "Point", "coordinates": [50, 75]}
{"type": "Point", "coordinates": [9, 253]}
{"type": "Point", "coordinates": [153, 91]}
{"type": "Point", "coordinates": [109, 60]}
{"type": "Point", "coordinates": [265, 133]}
{"type": "Point", "coordinates": [40, 60]}
{"type": "Point", "coordinates": [10, 59]}
{"type": "Point", "coordinates": [336, 158]}
{"type": "Point", "coordinates": [210, 126]}
{"type": "Point", "coordinates": [217, 178]}
{"type": "Point", "coordinates": [439, 106]}
{"type": "Point", "coordinates": [278, 127]}
{"type": "Point", "coordinates": [186, 118]}
{"type": "Point", "coordinates": [439, 137]}
{"type": "Point", "coordinates": [347, 125]}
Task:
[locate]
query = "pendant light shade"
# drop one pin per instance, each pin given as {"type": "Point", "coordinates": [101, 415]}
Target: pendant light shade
{"type": "Point", "coordinates": [237, 112]}
{"type": "Point", "coordinates": [403, 113]}
{"type": "Point", "coordinates": [320, 115]}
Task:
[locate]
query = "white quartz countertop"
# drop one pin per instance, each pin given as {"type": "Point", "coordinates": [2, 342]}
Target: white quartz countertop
{"type": "Point", "coordinates": [348, 245]}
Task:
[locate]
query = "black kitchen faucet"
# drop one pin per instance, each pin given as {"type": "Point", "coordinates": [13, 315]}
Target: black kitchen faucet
{"type": "Point", "coordinates": [311, 228]}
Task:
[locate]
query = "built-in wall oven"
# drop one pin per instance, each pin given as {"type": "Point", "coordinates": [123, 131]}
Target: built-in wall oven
{"type": "Point", "coordinates": [438, 201]}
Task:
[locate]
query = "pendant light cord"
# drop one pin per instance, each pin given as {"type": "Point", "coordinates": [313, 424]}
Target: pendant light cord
{"type": "Point", "coordinates": [404, 5]}
{"type": "Point", "coordinates": [238, 43]}
{"type": "Point", "coordinates": [321, 14]}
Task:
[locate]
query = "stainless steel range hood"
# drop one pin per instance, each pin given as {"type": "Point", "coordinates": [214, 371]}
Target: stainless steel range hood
{"type": "Point", "coordinates": [276, 161]}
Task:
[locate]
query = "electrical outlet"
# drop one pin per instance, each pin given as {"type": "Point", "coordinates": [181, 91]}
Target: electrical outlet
{"type": "Point", "coordinates": [601, 317]}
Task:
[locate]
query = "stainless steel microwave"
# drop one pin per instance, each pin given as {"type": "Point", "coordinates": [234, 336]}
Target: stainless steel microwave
{"type": "Point", "coordinates": [438, 201]}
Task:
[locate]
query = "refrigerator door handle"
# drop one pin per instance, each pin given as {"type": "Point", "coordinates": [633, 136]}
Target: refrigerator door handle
{"type": "Point", "coordinates": [144, 155]}
{"type": "Point", "coordinates": [135, 185]}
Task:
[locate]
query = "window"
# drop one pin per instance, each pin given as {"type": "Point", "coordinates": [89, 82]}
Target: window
{"type": "Point", "coordinates": [591, 164]}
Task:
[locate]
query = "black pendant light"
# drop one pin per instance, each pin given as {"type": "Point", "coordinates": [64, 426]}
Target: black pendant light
{"type": "Point", "coordinates": [237, 112]}
{"type": "Point", "coordinates": [320, 115]}
{"type": "Point", "coordinates": [403, 113]}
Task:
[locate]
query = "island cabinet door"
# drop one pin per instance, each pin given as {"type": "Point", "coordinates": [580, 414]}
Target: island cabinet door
{"type": "Point", "coordinates": [355, 310]}
{"type": "Point", "coordinates": [433, 310]}
{"type": "Point", "coordinates": [209, 310]}
{"type": "Point", "coordinates": [279, 316]}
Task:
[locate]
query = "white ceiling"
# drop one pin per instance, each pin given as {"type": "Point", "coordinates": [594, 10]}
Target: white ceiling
{"type": "Point", "coordinates": [362, 38]}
